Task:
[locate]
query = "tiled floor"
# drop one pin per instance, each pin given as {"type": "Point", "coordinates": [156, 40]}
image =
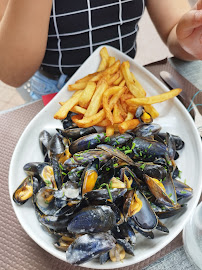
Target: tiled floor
{"type": "Point", "coordinates": [150, 48]}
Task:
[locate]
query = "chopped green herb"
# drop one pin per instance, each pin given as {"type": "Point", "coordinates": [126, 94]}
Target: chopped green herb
{"type": "Point", "coordinates": [88, 145]}
{"type": "Point", "coordinates": [60, 165]}
{"type": "Point", "coordinates": [48, 182]}
{"type": "Point", "coordinates": [150, 146]}
{"type": "Point", "coordinates": [107, 169]}
{"type": "Point", "coordinates": [116, 165]}
{"type": "Point", "coordinates": [109, 192]}
{"type": "Point", "coordinates": [142, 166]}
{"type": "Point", "coordinates": [133, 146]}
{"type": "Point", "coordinates": [128, 152]}
{"type": "Point", "coordinates": [183, 192]}
{"type": "Point", "coordinates": [79, 158]}
{"type": "Point", "coordinates": [64, 173]}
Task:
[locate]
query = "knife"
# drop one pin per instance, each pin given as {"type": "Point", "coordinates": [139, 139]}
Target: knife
{"type": "Point", "coordinates": [173, 83]}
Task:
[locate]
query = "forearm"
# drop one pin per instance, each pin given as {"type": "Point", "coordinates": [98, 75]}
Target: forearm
{"type": "Point", "coordinates": [23, 38]}
{"type": "Point", "coordinates": [176, 49]}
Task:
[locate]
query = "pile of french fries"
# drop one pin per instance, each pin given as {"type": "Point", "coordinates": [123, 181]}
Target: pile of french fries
{"type": "Point", "coordinates": [109, 98]}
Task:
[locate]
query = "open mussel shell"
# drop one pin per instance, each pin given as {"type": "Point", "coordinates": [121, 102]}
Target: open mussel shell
{"type": "Point", "coordinates": [158, 189]}
{"type": "Point", "coordinates": [145, 149]}
{"type": "Point", "coordinates": [67, 122]}
{"type": "Point", "coordinates": [45, 201]}
{"type": "Point", "coordinates": [35, 168]}
{"type": "Point", "coordinates": [88, 156]}
{"type": "Point", "coordinates": [92, 219]}
{"type": "Point", "coordinates": [88, 246]}
{"type": "Point", "coordinates": [130, 178]}
{"type": "Point", "coordinates": [75, 133]}
{"type": "Point", "coordinates": [170, 212]}
{"type": "Point", "coordinates": [74, 174]}
{"type": "Point", "coordinates": [57, 173]}
{"type": "Point", "coordinates": [103, 194]}
{"type": "Point", "coordinates": [89, 176]}
{"type": "Point", "coordinates": [106, 172]}
{"type": "Point", "coordinates": [116, 152]}
{"type": "Point", "coordinates": [44, 138]}
{"type": "Point", "coordinates": [162, 227]}
{"type": "Point", "coordinates": [143, 116]}
{"type": "Point", "coordinates": [24, 191]}
{"type": "Point", "coordinates": [56, 145]}
{"type": "Point", "coordinates": [147, 234]}
{"type": "Point", "coordinates": [179, 143]}
{"type": "Point", "coordinates": [145, 218]}
{"type": "Point", "coordinates": [145, 130]}
{"type": "Point", "coordinates": [87, 142]}
{"type": "Point", "coordinates": [118, 140]}
{"type": "Point", "coordinates": [153, 170]}
{"type": "Point", "coordinates": [124, 231]}
{"type": "Point", "coordinates": [42, 170]}
{"type": "Point", "coordinates": [183, 191]}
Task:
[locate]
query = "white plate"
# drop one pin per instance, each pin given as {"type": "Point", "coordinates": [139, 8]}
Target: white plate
{"type": "Point", "coordinates": [173, 118]}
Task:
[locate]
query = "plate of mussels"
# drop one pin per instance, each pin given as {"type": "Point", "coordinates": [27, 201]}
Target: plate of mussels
{"type": "Point", "coordinates": [117, 200]}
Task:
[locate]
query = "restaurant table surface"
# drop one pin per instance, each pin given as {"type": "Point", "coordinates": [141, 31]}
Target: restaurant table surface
{"type": "Point", "coordinates": [17, 249]}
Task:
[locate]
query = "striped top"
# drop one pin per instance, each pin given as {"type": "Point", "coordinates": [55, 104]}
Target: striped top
{"type": "Point", "coordinates": [76, 29]}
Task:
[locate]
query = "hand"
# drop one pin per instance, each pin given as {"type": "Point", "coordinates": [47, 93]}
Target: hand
{"type": "Point", "coordinates": [189, 31]}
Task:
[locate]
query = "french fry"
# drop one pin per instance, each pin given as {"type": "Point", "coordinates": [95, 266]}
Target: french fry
{"type": "Point", "coordinates": [114, 99]}
{"type": "Point", "coordinates": [109, 92]}
{"type": "Point", "coordinates": [87, 78]}
{"type": "Point", "coordinates": [111, 60]}
{"type": "Point", "coordinates": [113, 78]}
{"type": "Point", "coordinates": [125, 69]}
{"type": "Point", "coordinates": [96, 99]}
{"type": "Point", "coordinates": [137, 83]}
{"type": "Point", "coordinates": [78, 109]}
{"type": "Point", "coordinates": [154, 99]}
{"type": "Point", "coordinates": [109, 130]}
{"type": "Point", "coordinates": [67, 106]}
{"type": "Point", "coordinates": [104, 59]}
{"type": "Point", "coordinates": [129, 116]}
{"type": "Point", "coordinates": [117, 117]}
{"type": "Point", "coordinates": [122, 83]}
{"type": "Point", "coordinates": [87, 94]}
{"type": "Point", "coordinates": [151, 110]}
{"type": "Point", "coordinates": [121, 109]}
{"type": "Point", "coordinates": [77, 86]}
{"type": "Point", "coordinates": [90, 121]}
{"type": "Point", "coordinates": [104, 123]}
{"type": "Point", "coordinates": [118, 81]}
{"type": "Point", "coordinates": [127, 125]}
{"type": "Point", "coordinates": [110, 70]}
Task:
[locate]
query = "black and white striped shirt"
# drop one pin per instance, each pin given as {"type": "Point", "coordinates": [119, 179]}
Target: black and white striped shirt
{"type": "Point", "coordinates": [78, 27]}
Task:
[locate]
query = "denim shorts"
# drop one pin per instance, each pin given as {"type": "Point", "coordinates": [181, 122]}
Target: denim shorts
{"type": "Point", "coordinates": [39, 85]}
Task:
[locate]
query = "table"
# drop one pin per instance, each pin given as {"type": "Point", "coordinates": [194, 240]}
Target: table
{"type": "Point", "coordinates": [17, 250]}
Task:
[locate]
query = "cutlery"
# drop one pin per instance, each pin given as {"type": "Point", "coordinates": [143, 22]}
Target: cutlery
{"type": "Point", "coordinates": [173, 82]}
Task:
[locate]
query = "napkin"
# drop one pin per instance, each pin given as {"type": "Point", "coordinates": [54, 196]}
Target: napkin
{"type": "Point", "coordinates": [47, 98]}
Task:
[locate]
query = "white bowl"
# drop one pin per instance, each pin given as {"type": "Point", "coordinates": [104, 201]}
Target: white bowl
{"type": "Point", "coordinates": [173, 118]}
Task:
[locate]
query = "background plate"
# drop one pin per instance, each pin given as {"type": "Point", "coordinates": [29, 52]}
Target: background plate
{"type": "Point", "coordinates": [173, 118]}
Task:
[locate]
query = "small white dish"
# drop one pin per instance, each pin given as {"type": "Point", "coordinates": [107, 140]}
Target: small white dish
{"type": "Point", "coordinates": [173, 118]}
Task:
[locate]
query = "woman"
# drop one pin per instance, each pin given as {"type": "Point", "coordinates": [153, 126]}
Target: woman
{"type": "Point", "coordinates": [50, 39]}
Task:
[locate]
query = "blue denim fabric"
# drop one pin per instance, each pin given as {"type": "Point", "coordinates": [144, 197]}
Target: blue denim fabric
{"type": "Point", "coordinates": [41, 85]}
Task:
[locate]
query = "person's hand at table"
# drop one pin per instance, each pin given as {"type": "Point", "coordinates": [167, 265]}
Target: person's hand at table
{"type": "Point", "coordinates": [189, 31]}
{"type": "Point", "coordinates": [179, 26]}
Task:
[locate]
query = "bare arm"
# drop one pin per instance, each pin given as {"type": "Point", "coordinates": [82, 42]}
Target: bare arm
{"type": "Point", "coordinates": [23, 39]}
{"type": "Point", "coordinates": [177, 24]}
